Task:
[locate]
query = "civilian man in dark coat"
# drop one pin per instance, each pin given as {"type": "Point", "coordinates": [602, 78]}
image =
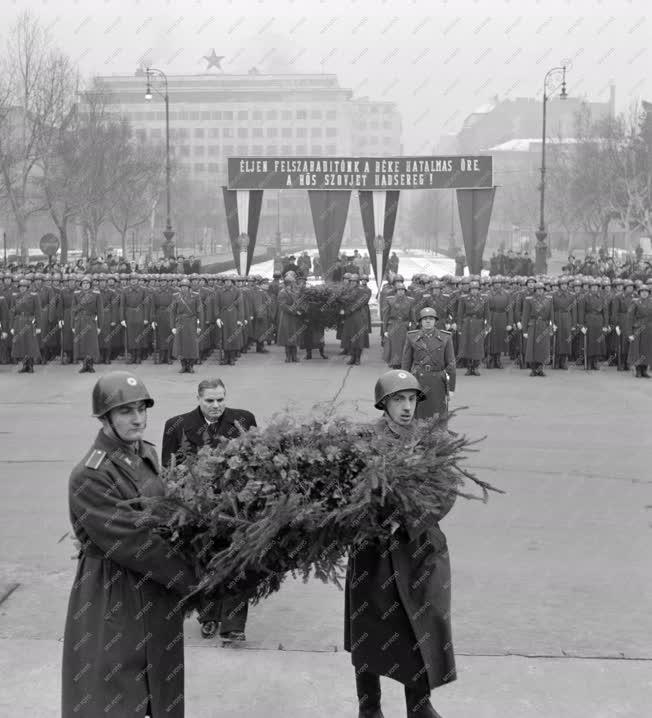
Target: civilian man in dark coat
{"type": "Point", "coordinates": [186, 434]}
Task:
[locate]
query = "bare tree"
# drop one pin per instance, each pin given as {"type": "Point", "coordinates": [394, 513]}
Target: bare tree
{"type": "Point", "coordinates": [35, 98]}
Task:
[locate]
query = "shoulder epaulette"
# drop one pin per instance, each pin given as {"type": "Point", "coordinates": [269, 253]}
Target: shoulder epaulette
{"type": "Point", "coordinates": [443, 331]}
{"type": "Point", "coordinates": [95, 459]}
{"type": "Point", "coordinates": [414, 331]}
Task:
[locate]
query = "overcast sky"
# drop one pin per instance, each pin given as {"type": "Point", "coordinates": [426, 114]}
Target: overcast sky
{"type": "Point", "coordinates": [438, 60]}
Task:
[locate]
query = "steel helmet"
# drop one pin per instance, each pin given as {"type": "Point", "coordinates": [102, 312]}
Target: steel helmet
{"type": "Point", "coordinates": [428, 312]}
{"type": "Point", "coordinates": [393, 381]}
{"type": "Point", "coordinates": [118, 388]}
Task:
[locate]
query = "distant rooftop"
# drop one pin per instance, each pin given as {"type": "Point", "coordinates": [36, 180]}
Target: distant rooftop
{"type": "Point", "coordinates": [525, 145]}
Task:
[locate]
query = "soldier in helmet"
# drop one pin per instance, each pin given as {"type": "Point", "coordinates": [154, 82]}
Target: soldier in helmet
{"type": "Point", "coordinates": [87, 314]}
{"type": "Point", "coordinates": [186, 320]}
{"type": "Point", "coordinates": [429, 355]}
{"type": "Point", "coordinates": [394, 625]}
{"type": "Point", "coordinates": [639, 325]}
{"type": "Point", "coordinates": [473, 323]}
{"type": "Point", "coordinates": [593, 317]}
{"type": "Point", "coordinates": [537, 329]}
{"type": "Point", "coordinates": [397, 316]}
{"type": "Point", "coordinates": [137, 623]}
{"type": "Point", "coordinates": [25, 326]}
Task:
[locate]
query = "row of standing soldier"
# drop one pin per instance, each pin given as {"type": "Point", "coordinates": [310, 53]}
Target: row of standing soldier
{"type": "Point", "coordinates": [533, 321]}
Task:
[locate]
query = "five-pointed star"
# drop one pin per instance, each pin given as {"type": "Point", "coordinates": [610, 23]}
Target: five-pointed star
{"type": "Point", "coordinates": [214, 60]}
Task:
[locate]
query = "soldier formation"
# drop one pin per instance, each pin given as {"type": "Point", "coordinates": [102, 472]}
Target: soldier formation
{"type": "Point", "coordinates": [534, 321]}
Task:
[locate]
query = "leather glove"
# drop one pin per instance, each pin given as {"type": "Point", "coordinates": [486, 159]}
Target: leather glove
{"type": "Point", "coordinates": [124, 324]}
{"type": "Point", "coordinates": [174, 330]}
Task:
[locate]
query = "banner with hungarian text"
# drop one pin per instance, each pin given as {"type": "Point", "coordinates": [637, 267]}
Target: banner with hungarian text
{"type": "Point", "coordinates": [360, 173]}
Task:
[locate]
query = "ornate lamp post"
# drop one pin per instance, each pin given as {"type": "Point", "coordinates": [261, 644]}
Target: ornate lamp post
{"type": "Point", "coordinates": [168, 245]}
{"type": "Point", "coordinates": [556, 77]}
{"type": "Point", "coordinates": [243, 244]}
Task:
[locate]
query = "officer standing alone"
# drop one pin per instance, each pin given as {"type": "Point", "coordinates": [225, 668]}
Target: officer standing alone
{"type": "Point", "coordinates": [429, 355]}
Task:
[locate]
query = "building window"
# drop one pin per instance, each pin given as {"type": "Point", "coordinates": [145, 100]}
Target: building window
{"type": "Point", "coordinates": [373, 110]}
{"type": "Point", "coordinates": [302, 115]}
{"type": "Point", "coordinates": [257, 132]}
{"type": "Point", "coordinates": [302, 132]}
{"type": "Point", "coordinates": [272, 131]}
{"type": "Point", "coordinates": [301, 149]}
{"type": "Point", "coordinates": [387, 125]}
{"type": "Point", "coordinates": [160, 115]}
{"type": "Point", "coordinates": [155, 134]}
{"type": "Point", "coordinates": [227, 132]}
{"type": "Point", "coordinates": [216, 115]}
{"type": "Point", "coordinates": [331, 132]}
{"type": "Point", "coordinates": [183, 115]}
{"type": "Point", "coordinates": [286, 149]}
{"type": "Point", "coordinates": [242, 149]}
{"type": "Point", "coordinates": [257, 115]}
{"type": "Point", "coordinates": [387, 140]}
{"type": "Point", "coordinates": [199, 132]}
{"type": "Point", "coordinates": [182, 132]}
{"type": "Point", "coordinates": [243, 115]}
{"type": "Point", "coordinates": [214, 150]}
{"type": "Point", "coordinates": [213, 167]}
{"type": "Point", "coordinates": [193, 115]}
{"type": "Point", "coordinates": [286, 115]}
{"type": "Point", "coordinates": [374, 125]}
{"type": "Point", "coordinates": [257, 149]}
{"type": "Point", "coordinates": [331, 115]}
{"type": "Point", "coordinates": [331, 149]}
{"type": "Point", "coordinates": [199, 150]}
{"type": "Point", "coordinates": [228, 150]}
{"type": "Point", "coordinates": [271, 114]}
{"type": "Point", "coordinates": [271, 149]}
{"type": "Point", "coordinates": [316, 149]}
{"type": "Point", "coordinates": [286, 132]}
{"type": "Point", "coordinates": [150, 115]}
{"type": "Point", "coordinates": [227, 115]}
{"type": "Point", "coordinates": [315, 132]}
{"type": "Point", "coordinates": [184, 151]}
{"type": "Point", "coordinates": [137, 115]}
{"type": "Point", "coordinates": [200, 167]}
{"type": "Point", "coordinates": [213, 131]}
{"type": "Point", "coordinates": [206, 115]}
{"type": "Point", "coordinates": [243, 132]}
{"type": "Point", "coordinates": [141, 135]}
{"type": "Point", "coordinates": [316, 114]}
{"type": "Point", "coordinates": [373, 140]}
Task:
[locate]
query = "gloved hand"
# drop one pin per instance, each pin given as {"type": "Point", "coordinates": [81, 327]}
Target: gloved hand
{"type": "Point", "coordinates": [60, 323]}
{"type": "Point", "coordinates": [605, 330]}
{"type": "Point", "coordinates": [154, 325]}
{"type": "Point", "coordinates": [219, 323]}
{"type": "Point", "coordinates": [454, 326]}
{"type": "Point", "coordinates": [583, 330]}
{"type": "Point", "coordinates": [554, 327]}
{"type": "Point", "coordinates": [12, 331]}
{"type": "Point", "coordinates": [385, 334]}
{"type": "Point", "coordinates": [618, 331]}
{"type": "Point", "coordinates": [145, 321]}
{"type": "Point", "coordinates": [3, 336]}
{"type": "Point", "coordinates": [487, 328]}
{"type": "Point", "coordinates": [524, 335]}
{"type": "Point", "coordinates": [239, 323]}
{"type": "Point", "coordinates": [630, 337]}
{"type": "Point", "coordinates": [509, 327]}
{"type": "Point", "coordinates": [124, 323]}
{"type": "Point", "coordinates": [519, 326]}
{"type": "Point", "coordinates": [174, 330]}
{"type": "Point", "coordinates": [198, 330]}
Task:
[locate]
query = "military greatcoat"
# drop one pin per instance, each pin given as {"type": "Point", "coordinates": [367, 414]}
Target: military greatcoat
{"type": "Point", "coordinates": [397, 619]}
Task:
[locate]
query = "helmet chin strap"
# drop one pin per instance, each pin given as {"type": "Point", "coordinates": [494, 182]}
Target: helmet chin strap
{"type": "Point", "coordinates": [115, 431]}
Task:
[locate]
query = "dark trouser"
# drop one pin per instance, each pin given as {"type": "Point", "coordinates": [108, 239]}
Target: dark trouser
{"type": "Point", "coordinates": [231, 612]}
{"type": "Point", "coordinates": [367, 686]}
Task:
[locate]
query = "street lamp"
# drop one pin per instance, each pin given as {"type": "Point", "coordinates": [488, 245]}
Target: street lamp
{"type": "Point", "coordinates": [555, 75]}
{"type": "Point", "coordinates": [150, 73]}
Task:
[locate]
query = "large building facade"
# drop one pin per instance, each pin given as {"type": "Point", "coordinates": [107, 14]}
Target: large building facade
{"type": "Point", "coordinates": [216, 116]}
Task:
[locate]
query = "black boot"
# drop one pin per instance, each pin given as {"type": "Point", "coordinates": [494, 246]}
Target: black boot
{"type": "Point", "coordinates": [295, 358]}
{"type": "Point", "coordinates": [131, 358]}
{"type": "Point", "coordinates": [91, 369]}
{"type": "Point", "coordinates": [644, 374]}
{"type": "Point", "coordinates": [358, 356]}
{"type": "Point", "coordinates": [183, 366]}
{"type": "Point", "coordinates": [321, 351]}
{"type": "Point", "coordinates": [288, 355]}
{"type": "Point", "coordinates": [367, 687]}
{"type": "Point", "coordinates": [309, 353]}
{"type": "Point", "coordinates": [417, 702]}
{"type": "Point", "coordinates": [260, 348]}
{"type": "Point", "coordinates": [24, 369]}
{"type": "Point", "coordinates": [475, 368]}
{"type": "Point", "coordinates": [190, 364]}
{"type": "Point", "coordinates": [540, 370]}
{"type": "Point", "coordinates": [563, 363]}
{"type": "Point", "coordinates": [82, 368]}
{"type": "Point", "coordinates": [231, 358]}
{"type": "Point", "coordinates": [353, 355]}
{"type": "Point", "coordinates": [469, 371]}
{"type": "Point", "coordinates": [30, 365]}
{"type": "Point", "coordinates": [139, 356]}
{"type": "Point", "coordinates": [497, 363]}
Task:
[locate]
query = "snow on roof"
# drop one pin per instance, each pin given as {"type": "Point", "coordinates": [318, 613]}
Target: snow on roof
{"type": "Point", "coordinates": [525, 145]}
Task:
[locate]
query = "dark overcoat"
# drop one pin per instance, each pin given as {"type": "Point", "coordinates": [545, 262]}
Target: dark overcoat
{"type": "Point", "coordinates": [397, 618]}
{"type": "Point", "coordinates": [354, 327]}
{"type": "Point", "coordinates": [227, 308]}
{"type": "Point", "coordinates": [161, 303]}
{"type": "Point", "coordinates": [290, 324]}
{"type": "Point", "coordinates": [186, 313]}
{"type": "Point", "coordinates": [472, 316]}
{"type": "Point", "coordinates": [25, 319]}
{"type": "Point", "coordinates": [87, 314]}
{"type": "Point", "coordinates": [564, 310]}
{"type": "Point", "coordinates": [134, 311]}
{"type": "Point", "coordinates": [640, 326]}
{"type": "Point", "coordinates": [537, 315]}
{"type": "Point", "coordinates": [594, 315]}
{"type": "Point", "coordinates": [501, 315]}
{"type": "Point", "coordinates": [396, 320]}
{"type": "Point", "coordinates": [123, 640]}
